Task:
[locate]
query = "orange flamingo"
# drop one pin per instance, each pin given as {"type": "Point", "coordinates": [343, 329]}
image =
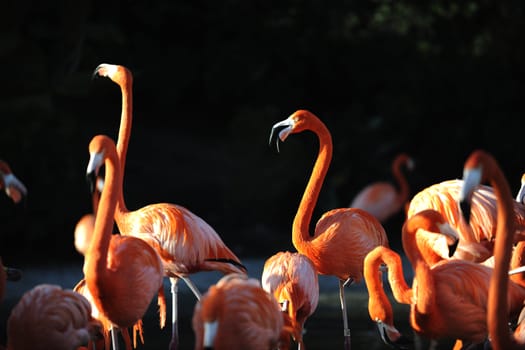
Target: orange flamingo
{"type": "Point", "coordinates": [185, 242]}
{"type": "Point", "coordinates": [343, 236]}
{"type": "Point", "coordinates": [237, 313]}
{"type": "Point", "coordinates": [82, 239]}
{"type": "Point", "coordinates": [477, 239]}
{"type": "Point", "coordinates": [83, 233]}
{"type": "Point", "coordinates": [292, 279]}
{"type": "Point", "coordinates": [480, 167]}
{"type": "Point", "coordinates": [49, 317]}
{"type": "Point", "coordinates": [122, 273]}
{"type": "Point", "coordinates": [448, 300]}
{"type": "Point", "coordinates": [383, 199]}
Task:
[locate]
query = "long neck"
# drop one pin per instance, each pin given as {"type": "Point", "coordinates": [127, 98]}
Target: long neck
{"type": "Point", "coordinates": [379, 307]}
{"type": "Point", "coordinates": [497, 316]}
{"type": "Point", "coordinates": [124, 132]}
{"type": "Point", "coordinates": [424, 293]}
{"type": "Point", "coordinates": [401, 180]}
{"type": "Point", "coordinates": [301, 223]}
{"type": "Point", "coordinates": [96, 259]}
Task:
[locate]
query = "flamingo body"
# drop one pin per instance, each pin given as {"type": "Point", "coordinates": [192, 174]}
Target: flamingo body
{"type": "Point", "coordinates": [237, 313]}
{"type": "Point", "coordinates": [338, 232]}
{"type": "Point", "coordinates": [49, 317]}
{"type": "Point", "coordinates": [382, 199]}
{"type": "Point", "coordinates": [185, 242]}
{"type": "Point", "coordinates": [83, 231]}
{"type": "Point", "coordinates": [342, 237]}
{"type": "Point", "coordinates": [122, 273]}
{"type": "Point", "coordinates": [477, 239]}
{"type": "Point", "coordinates": [292, 279]}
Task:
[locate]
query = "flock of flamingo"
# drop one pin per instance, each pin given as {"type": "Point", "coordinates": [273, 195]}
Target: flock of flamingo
{"type": "Point", "coordinates": [462, 237]}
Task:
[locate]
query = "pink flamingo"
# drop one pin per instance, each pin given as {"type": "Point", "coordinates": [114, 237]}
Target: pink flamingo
{"type": "Point", "coordinates": [122, 273]}
{"type": "Point", "coordinates": [49, 317]}
{"type": "Point", "coordinates": [236, 314]}
{"type": "Point", "coordinates": [382, 199]}
{"type": "Point", "coordinates": [292, 279]}
{"type": "Point", "coordinates": [185, 242]}
{"type": "Point", "coordinates": [481, 167]}
{"type": "Point", "coordinates": [343, 236]}
{"type": "Point", "coordinates": [477, 239]}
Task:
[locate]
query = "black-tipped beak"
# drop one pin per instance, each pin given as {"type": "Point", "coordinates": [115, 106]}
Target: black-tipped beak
{"type": "Point", "coordinates": [452, 248]}
{"type": "Point", "coordinates": [274, 136]}
{"type": "Point", "coordinates": [13, 274]}
{"type": "Point", "coordinates": [91, 178]}
{"type": "Point", "coordinates": [95, 74]}
{"type": "Point", "coordinates": [464, 206]}
{"type": "Point", "coordinates": [401, 343]}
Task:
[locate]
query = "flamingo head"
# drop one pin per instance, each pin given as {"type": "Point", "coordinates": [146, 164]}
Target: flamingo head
{"type": "Point", "coordinates": [96, 161]}
{"type": "Point", "coordinates": [299, 121]}
{"type": "Point", "coordinates": [118, 74]}
{"type": "Point", "coordinates": [472, 176]}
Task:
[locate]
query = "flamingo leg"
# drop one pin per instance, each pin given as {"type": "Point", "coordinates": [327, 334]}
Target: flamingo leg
{"type": "Point", "coordinates": [346, 333]}
{"type": "Point", "coordinates": [192, 286]}
{"type": "Point", "coordinates": [114, 338]}
{"type": "Point", "coordinates": [174, 343]}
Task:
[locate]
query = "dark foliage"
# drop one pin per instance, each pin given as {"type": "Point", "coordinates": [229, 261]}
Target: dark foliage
{"type": "Point", "coordinates": [433, 79]}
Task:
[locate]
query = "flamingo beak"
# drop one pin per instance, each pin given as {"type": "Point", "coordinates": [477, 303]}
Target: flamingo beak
{"type": "Point", "coordinates": [280, 132]}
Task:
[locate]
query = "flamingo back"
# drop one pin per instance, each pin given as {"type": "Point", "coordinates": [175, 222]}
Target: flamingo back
{"type": "Point", "coordinates": [129, 291]}
{"type": "Point", "coordinates": [476, 240]}
{"type": "Point", "coordinates": [247, 317]}
{"type": "Point", "coordinates": [185, 242]}
{"type": "Point", "coordinates": [379, 199]}
{"type": "Point", "coordinates": [292, 279]}
{"type": "Point", "coordinates": [342, 239]}
{"type": "Point", "coordinates": [49, 317]}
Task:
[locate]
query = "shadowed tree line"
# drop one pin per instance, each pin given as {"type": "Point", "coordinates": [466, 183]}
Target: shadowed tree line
{"type": "Point", "coordinates": [433, 79]}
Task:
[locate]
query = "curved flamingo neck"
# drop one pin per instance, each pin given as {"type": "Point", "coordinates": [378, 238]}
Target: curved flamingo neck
{"type": "Point", "coordinates": [424, 296]}
{"type": "Point", "coordinates": [126, 86]}
{"type": "Point", "coordinates": [401, 179]}
{"type": "Point", "coordinates": [96, 258]}
{"type": "Point", "coordinates": [497, 316]}
{"type": "Point", "coordinates": [301, 223]}
{"type": "Point", "coordinates": [379, 306]}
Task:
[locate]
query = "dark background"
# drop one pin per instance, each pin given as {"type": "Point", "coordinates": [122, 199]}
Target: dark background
{"type": "Point", "coordinates": [433, 79]}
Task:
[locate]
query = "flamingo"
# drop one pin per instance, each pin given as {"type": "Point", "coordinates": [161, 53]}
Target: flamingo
{"type": "Point", "coordinates": [82, 239]}
{"type": "Point", "coordinates": [343, 236]}
{"type": "Point", "coordinates": [482, 167]}
{"type": "Point", "coordinates": [292, 279]}
{"type": "Point", "coordinates": [237, 313]}
{"type": "Point", "coordinates": [383, 199]}
{"type": "Point", "coordinates": [49, 317]}
{"type": "Point", "coordinates": [122, 273]}
{"type": "Point", "coordinates": [477, 239]}
{"type": "Point", "coordinates": [185, 242]}
{"type": "Point", "coordinates": [447, 300]}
